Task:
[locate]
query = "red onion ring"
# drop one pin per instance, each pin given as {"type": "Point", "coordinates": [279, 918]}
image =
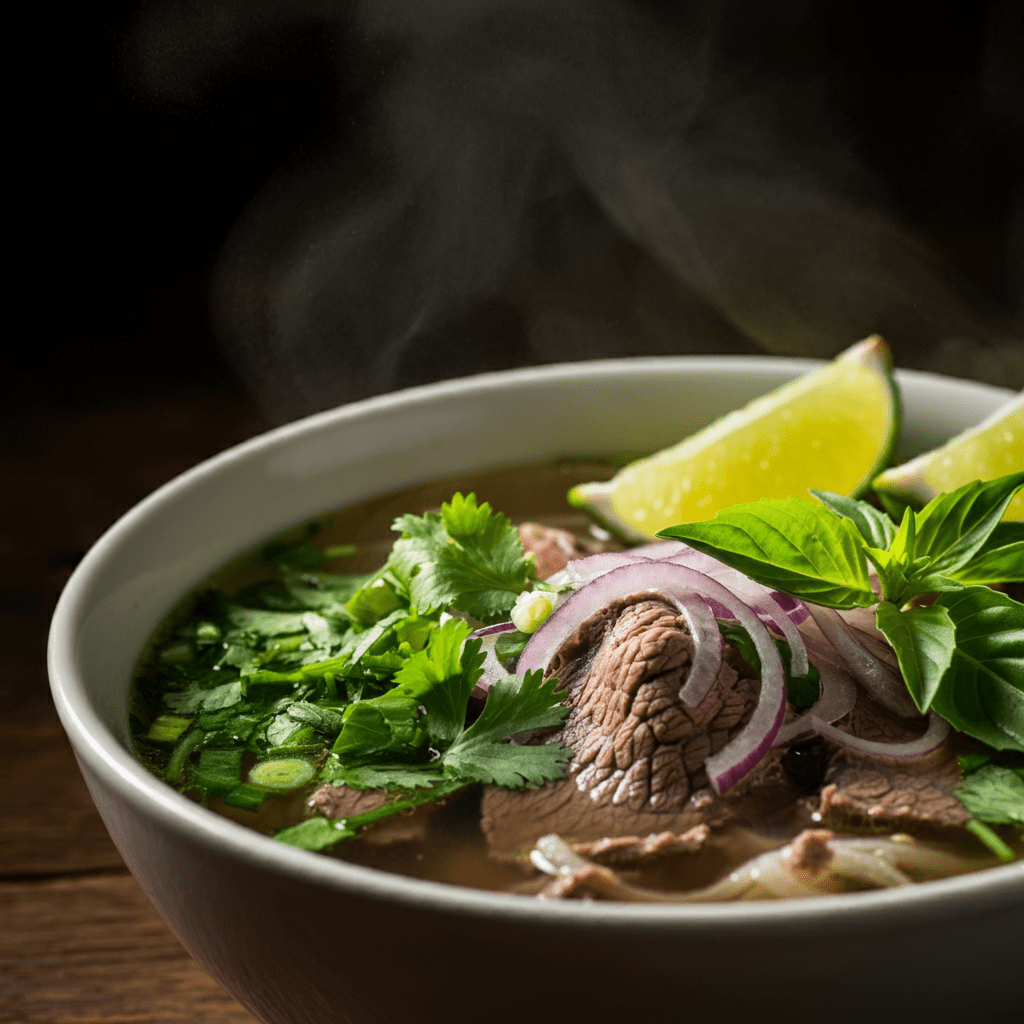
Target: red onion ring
{"type": "Point", "coordinates": [707, 647]}
{"type": "Point", "coordinates": [581, 571]}
{"type": "Point", "coordinates": [729, 765]}
{"type": "Point", "coordinates": [873, 674]}
{"type": "Point", "coordinates": [837, 697]}
{"type": "Point", "coordinates": [498, 627]}
{"type": "Point", "coordinates": [492, 669]}
{"type": "Point", "coordinates": [778, 611]}
{"type": "Point", "coordinates": [933, 736]}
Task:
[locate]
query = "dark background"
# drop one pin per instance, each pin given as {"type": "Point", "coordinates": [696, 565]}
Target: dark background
{"type": "Point", "coordinates": [122, 193]}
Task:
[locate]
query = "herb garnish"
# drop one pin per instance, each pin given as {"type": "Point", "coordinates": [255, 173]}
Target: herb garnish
{"type": "Point", "coordinates": [354, 676]}
{"type": "Point", "coordinates": [962, 655]}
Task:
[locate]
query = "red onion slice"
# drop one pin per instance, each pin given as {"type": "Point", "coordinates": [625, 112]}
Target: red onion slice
{"type": "Point", "coordinates": [581, 571]}
{"type": "Point", "coordinates": [874, 675]}
{"type": "Point", "coordinates": [838, 695]}
{"type": "Point", "coordinates": [707, 648]}
{"type": "Point", "coordinates": [938, 729]}
{"type": "Point", "coordinates": [792, 606]}
{"type": "Point", "coordinates": [778, 611]}
{"type": "Point", "coordinates": [730, 764]}
{"type": "Point", "coordinates": [498, 627]}
{"type": "Point", "coordinates": [660, 549]}
{"type": "Point", "coordinates": [492, 669]}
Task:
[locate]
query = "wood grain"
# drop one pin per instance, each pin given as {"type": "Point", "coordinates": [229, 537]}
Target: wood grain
{"type": "Point", "coordinates": [92, 948]}
{"type": "Point", "coordinates": [79, 942]}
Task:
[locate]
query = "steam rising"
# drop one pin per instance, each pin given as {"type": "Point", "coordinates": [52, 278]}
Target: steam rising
{"type": "Point", "coordinates": [540, 180]}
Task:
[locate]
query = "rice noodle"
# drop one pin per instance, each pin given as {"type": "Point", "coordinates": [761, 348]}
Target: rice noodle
{"type": "Point", "coordinates": [858, 863]}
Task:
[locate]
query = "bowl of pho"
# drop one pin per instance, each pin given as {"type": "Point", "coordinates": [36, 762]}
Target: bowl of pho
{"type": "Point", "coordinates": [390, 729]}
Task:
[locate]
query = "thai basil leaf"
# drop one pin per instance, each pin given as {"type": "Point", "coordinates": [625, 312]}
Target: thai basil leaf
{"type": "Point", "coordinates": [982, 692]}
{"type": "Point", "coordinates": [875, 527]}
{"type": "Point", "coordinates": [924, 640]}
{"type": "Point", "coordinates": [953, 527]}
{"type": "Point", "coordinates": [790, 545]}
{"type": "Point", "coordinates": [1001, 559]}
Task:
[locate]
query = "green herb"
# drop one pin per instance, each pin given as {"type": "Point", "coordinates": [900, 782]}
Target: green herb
{"type": "Point", "coordinates": [994, 794]}
{"type": "Point", "coordinates": [414, 737]}
{"type": "Point", "coordinates": [351, 679]}
{"type": "Point", "coordinates": [962, 656]}
{"type": "Point", "coordinates": [464, 556]}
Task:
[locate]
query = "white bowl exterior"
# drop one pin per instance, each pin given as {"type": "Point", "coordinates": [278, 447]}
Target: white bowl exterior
{"type": "Point", "coordinates": [229, 894]}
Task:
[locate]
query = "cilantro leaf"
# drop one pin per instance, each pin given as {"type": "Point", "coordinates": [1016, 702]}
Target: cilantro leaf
{"type": "Point", "coordinates": [466, 556]}
{"type": "Point", "coordinates": [804, 550]}
{"type": "Point", "coordinates": [433, 685]}
{"type": "Point", "coordinates": [200, 698]}
{"type": "Point", "coordinates": [314, 834]}
{"type": "Point", "coordinates": [514, 705]}
{"type": "Point", "coordinates": [994, 794]}
{"type": "Point", "coordinates": [440, 679]}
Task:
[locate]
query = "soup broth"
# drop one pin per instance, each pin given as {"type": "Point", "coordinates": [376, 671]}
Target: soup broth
{"type": "Point", "coordinates": [444, 841]}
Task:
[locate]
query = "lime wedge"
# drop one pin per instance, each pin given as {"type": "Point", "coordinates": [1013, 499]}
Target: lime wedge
{"type": "Point", "coordinates": [832, 429]}
{"type": "Point", "coordinates": [993, 448]}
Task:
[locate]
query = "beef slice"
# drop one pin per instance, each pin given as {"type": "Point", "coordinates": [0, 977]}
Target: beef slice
{"type": "Point", "coordinates": [639, 751]}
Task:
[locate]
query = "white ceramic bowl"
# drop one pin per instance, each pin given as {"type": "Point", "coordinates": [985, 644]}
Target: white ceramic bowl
{"type": "Point", "coordinates": [298, 937]}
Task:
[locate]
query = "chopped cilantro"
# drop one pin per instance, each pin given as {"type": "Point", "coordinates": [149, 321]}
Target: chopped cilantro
{"type": "Point", "coordinates": [353, 678]}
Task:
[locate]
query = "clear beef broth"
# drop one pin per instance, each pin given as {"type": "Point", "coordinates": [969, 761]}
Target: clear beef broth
{"type": "Point", "coordinates": [451, 846]}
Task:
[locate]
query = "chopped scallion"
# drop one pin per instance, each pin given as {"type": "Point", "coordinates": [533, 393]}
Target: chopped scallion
{"type": "Point", "coordinates": [282, 774]}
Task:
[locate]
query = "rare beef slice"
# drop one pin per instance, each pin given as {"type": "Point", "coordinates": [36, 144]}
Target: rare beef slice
{"type": "Point", "coordinates": [639, 751]}
{"type": "Point", "coordinates": [878, 794]}
{"type": "Point", "coordinates": [553, 549]}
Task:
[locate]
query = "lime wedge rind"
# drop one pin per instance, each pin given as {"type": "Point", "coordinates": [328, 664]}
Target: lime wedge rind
{"type": "Point", "coordinates": [791, 439]}
{"type": "Point", "coordinates": [991, 448]}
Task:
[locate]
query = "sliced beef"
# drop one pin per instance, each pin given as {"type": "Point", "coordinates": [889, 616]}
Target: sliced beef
{"type": "Point", "coordinates": [552, 548]}
{"type": "Point", "coordinates": [639, 764]}
{"type": "Point", "coordinates": [884, 795]}
{"type": "Point", "coordinates": [810, 851]}
{"type": "Point", "coordinates": [633, 851]}
{"type": "Point", "coordinates": [337, 802]}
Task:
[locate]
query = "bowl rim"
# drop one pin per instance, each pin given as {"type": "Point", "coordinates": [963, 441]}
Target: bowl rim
{"type": "Point", "coordinates": [103, 754]}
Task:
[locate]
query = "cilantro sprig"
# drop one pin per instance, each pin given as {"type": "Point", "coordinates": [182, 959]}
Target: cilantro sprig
{"type": "Point", "coordinates": [963, 654]}
{"type": "Point", "coordinates": [414, 738]}
{"type": "Point", "coordinates": [466, 556]}
{"type": "Point", "coordinates": [354, 675]}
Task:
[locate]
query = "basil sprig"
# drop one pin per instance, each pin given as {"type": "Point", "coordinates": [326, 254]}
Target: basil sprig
{"type": "Point", "coordinates": [962, 654]}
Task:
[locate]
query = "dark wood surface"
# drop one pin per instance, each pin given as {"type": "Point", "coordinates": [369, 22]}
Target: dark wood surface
{"type": "Point", "coordinates": [79, 942]}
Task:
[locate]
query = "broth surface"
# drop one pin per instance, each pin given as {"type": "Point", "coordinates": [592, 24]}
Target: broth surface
{"type": "Point", "coordinates": [450, 847]}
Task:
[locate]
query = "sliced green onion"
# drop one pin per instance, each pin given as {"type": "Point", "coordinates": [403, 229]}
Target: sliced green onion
{"type": "Point", "coordinates": [167, 728]}
{"type": "Point", "coordinates": [246, 796]}
{"type": "Point", "coordinates": [207, 632]}
{"type": "Point", "coordinates": [182, 752]}
{"type": "Point", "coordinates": [281, 774]}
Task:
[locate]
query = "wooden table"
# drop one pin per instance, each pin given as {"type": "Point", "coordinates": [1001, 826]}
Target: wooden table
{"type": "Point", "coordinates": [79, 942]}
